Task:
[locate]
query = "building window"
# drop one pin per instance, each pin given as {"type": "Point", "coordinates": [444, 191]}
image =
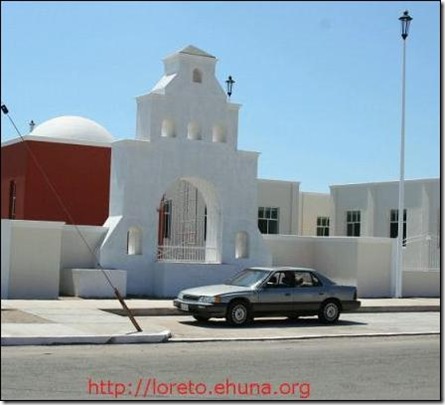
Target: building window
{"type": "Point", "coordinates": [268, 220]}
{"type": "Point", "coordinates": [197, 76]}
{"type": "Point", "coordinates": [242, 245]}
{"type": "Point", "coordinates": [12, 199]}
{"type": "Point", "coordinates": [323, 226]}
{"type": "Point", "coordinates": [352, 223]}
{"type": "Point", "coordinates": [394, 225]}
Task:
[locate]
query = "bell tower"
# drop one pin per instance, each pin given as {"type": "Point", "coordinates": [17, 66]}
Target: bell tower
{"type": "Point", "coordinates": [188, 103]}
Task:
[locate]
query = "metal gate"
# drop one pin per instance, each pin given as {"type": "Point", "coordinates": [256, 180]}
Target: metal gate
{"type": "Point", "coordinates": [182, 225]}
{"type": "Point", "coordinates": [422, 253]}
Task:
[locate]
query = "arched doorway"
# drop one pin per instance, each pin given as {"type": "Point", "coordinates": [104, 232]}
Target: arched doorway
{"type": "Point", "coordinates": [188, 223]}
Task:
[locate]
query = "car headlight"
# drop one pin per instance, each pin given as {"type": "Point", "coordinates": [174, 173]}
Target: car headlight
{"type": "Point", "coordinates": [212, 300]}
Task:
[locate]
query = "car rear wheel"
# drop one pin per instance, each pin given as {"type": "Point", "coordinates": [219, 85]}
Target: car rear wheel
{"type": "Point", "coordinates": [238, 313]}
{"type": "Point", "coordinates": [329, 312]}
{"type": "Point", "coordinates": [201, 318]}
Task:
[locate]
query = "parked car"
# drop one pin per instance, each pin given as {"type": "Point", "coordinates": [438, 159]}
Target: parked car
{"type": "Point", "coordinates": [272, 291]}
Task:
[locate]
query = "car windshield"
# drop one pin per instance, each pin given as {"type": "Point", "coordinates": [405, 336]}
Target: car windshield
{"type": "Point", "coordinates": [248, 278]}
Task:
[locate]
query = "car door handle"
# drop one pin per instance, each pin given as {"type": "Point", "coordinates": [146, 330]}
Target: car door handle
{"type": "Point", "coordinates": [321, 293]}
{"type": "Point", "coordinates": [287, 294]}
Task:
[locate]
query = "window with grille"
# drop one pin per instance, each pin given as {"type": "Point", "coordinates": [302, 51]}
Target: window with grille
{"type": "Point", "coordinates": [394, 225]}
{"type": "Point", "coordinates": [268, 220]}
{"type": "Point", "coordinates": [323, 226]}
{"type": "Point", "coordinates": [353, 223]}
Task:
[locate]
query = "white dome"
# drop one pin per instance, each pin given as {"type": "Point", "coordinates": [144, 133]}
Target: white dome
{"type": "Point", "coordinates": [73, 128]}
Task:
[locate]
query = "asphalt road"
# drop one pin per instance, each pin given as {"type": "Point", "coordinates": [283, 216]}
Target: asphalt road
{"type": "Point", "coordinates": [402, 368]}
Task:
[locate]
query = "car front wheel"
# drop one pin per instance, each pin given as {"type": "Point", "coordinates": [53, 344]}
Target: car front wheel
{"type": "Point", "coordinates": [238, 313]}
{"type": "Point", "coordinates": [329, 312]}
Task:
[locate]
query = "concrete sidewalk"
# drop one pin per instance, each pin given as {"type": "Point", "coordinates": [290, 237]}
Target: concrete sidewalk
{"type": "Point", "coordinates": [71, 320]}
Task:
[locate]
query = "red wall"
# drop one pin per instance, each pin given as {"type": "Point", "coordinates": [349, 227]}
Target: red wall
{"type": "Point", "coordinates": [80, 175]}
{"type": "Point", "coordinates": [13, 168]}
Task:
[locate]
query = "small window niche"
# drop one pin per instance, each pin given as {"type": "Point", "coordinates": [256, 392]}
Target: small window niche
{"type": "Point", "coordinates": [134, 241]}
{"type": "Point", "coordinates": [242, 245]}
{"type": "Point", "coordinates": [197, 76]}
{"type": "Point", "coordinates": [219, 134]}
{"type": "Point", "coordinates": [168, 129]}
{"type": "Point", "coordinates": [194, 131]}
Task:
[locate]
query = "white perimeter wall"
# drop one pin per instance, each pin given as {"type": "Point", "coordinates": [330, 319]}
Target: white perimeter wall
{"type": "Point", "coordinates": [75, 252]}
{"type": "Point", "coordinates": [363, 262]}
{"type": "Point", "coordinates": [31, 259]}
{"type": "Point", "coordinates": [35, 252]}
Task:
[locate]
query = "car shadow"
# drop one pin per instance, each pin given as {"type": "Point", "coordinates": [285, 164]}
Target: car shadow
{"type": "Point", "coordinates": [259, 323]}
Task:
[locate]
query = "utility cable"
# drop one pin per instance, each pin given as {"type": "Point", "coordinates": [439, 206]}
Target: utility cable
{"type": "Point", "coordinates": [71, 219]}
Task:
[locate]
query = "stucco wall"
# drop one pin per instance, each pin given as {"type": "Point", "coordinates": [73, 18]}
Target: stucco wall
{"type": "Point", "coordinates": [92, 283]}
{"type": "Point", "coordinates": [34, 252]}
{"type": "Point", "coordinates": [74, 250]}
{"type": "Point", "coordinates": [363, 262]}
{"type": "Point", "coordinates": [6, 256]}
{"type": "Point", "coordinates": [375, 267]}
{"type": "Point", "coordinates": [421, 284]}
{"type": "Point", "coordinates": [34, 258]}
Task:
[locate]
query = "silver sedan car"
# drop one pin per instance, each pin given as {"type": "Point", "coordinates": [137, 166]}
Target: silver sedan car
{"type": "Point", "coordinates": [271, 291]}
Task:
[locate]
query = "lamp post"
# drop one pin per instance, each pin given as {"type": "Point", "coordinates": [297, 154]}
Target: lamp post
{"type": "Point", "coordinates": [405, 20]}
{"type": "Point", "coordinates": [229, 83]}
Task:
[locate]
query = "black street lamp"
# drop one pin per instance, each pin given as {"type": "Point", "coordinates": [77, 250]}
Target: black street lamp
{"type": "Point", "coordinates": [229, 83]}
{"type": "Point", "coordinates": [405, 20]}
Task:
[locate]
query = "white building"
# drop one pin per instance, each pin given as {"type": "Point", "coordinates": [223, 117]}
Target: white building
{"type": "Point", "coordinates": [371, 209]}
{"type": "Point", "coordinates": [284, 209]}
{"type": "Point", "coordinates": [278, 203]}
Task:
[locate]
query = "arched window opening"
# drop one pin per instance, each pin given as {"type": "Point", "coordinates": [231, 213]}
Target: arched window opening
{"type": "Point", "coordinates": [218, 134]}
{"type": "Point", "coordinates": [242, 245]}
{"type": "Point", "coordinates": [168, 129]}
{"type": "Point", "coordinates": [197, 76]}
{"type": "Point", "coordinates": [134, 241]}
{"type": "Point", "coordinates": [184, 227]}
{"type": "Point", "coordinates": [193, 131]}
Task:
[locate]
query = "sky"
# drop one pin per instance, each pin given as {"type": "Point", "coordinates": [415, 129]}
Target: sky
{"type": "Point", "coordinates": [319, 82]}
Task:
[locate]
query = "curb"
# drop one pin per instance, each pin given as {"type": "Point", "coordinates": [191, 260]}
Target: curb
{"type": "Point", "coordinates": [395, 308]}
{"type": "Point", "coordinates": [301, 337]}
{"type": "Point", "coordinates": [134, 337]}
{"type": "Point", "coordinates": [176, 312]}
